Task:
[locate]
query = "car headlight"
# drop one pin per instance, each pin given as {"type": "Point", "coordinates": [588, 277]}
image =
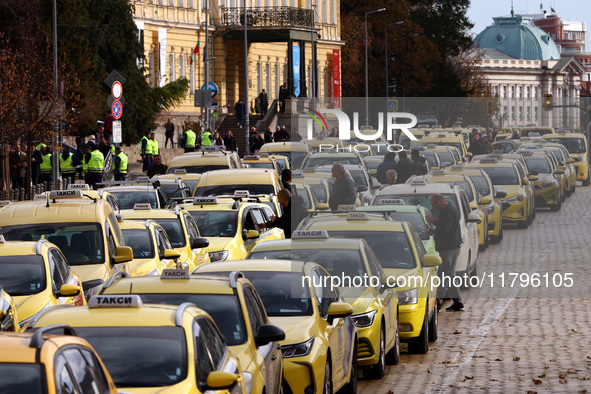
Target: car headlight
{"type": "Point", "coordinates": [297, 350]}
{"type": "Point", "coordinates": [247, 381]}
{"type": "Point", "coordinates": [364, 319]}
{"type": "Point", "coordinates": [518, 198]}
{"type": "Point", "coordinates": [490, 209]}
{"type": "Point", "coordinates": [33, 318]}
{"type": "Point", "coordinates": [218, 256]}
{"type": "Point", "coordinates": [551, 183]}
{"type": "Point", "coordinates": [408, 297]}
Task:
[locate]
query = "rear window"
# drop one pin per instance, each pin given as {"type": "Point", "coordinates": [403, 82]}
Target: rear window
{"type": "Point", "coordinates": [541, 165]}
{"type": "Point", "coordinates": [19, 378]}
{"type": "Point", "coordinates": [22, 275]}
{"type": "Point", "coordinates": [502, 175]}
{"type": "Point", "coordinates": [198, 169]}
{"type": "Point", "coordinates": [140, 241]}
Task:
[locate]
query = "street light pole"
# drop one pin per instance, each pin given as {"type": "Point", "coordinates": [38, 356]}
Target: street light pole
{"type": "Point", "coordinates": [246, 105]}
{"type": "Point", "coordinates": [55, 156]}
{"type": "Point", "coordinates": [386, 42]}
{"type": "Point", "coordinates": [366, 72]}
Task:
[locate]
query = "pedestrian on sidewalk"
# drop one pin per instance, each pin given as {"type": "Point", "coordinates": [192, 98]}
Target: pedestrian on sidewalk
{"type": "Point", "coordinates": [240, 111]}
{"type": "Point", "coordinates": [169, 133]}
{"type": "Point", "coordinates": [264, 102]}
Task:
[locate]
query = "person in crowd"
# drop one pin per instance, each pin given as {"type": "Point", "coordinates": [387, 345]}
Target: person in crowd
{"type": "Point", "coordinates": [482, 146]}
{"type": "Point", "coordinates": [419, 162]}
{"type": "Point", "coordinates": [18, 166]}
{"type": "Point", "coordinates": [448, 240]}
{"type": "Point", "coordinates": [189, 140]}
{"type": "Point", "coordinates": [68, 163]}
{"type": "Point", "coordinates": [46, 166]}
{"type": "Point", "coordinates": [257, 143]}
{"type": "Point", "coordinates": [405, 167]}
{"type": "Point", "coordinates": [169, 133]}
{"type": "Point", "coordinates": [474, 136]}
{"type": "Point", "coordinates": [157, 168]}
{"type": "Point", "coordinates": [281, 135]}
{"type": "Point", "coordinates": [294, 212]}
{"type": "Point", "coordinates": [240, 111]}
{"type": "Point", "coordinates": [295, 136]}
{"type": "Point", "coordinates": [154, 142]}
{"type": "Point", "coordinates": [343, 189]}
{"type": "Point", "coordinates": [217, 139]}
{"type": "Point", "coordinates": [206, 138]}
{"type": "Point", "coordinates": [334, 132]}
{"type": "Point", "coordinates": [36, 160]}
{"type": "Point", "coordinates": [264, 102]}
{"type": "Point", "coordinates": [104, 147]}
{"type": "Point", "coordinates": [389, 163]}
{"type": "Point", "coordinates": [146, 151]}
{"type": "Point", "coordinates": [268, 135]}
{"type": "Point", "coordinates": [283, 95]}
{"type": "Point", "coordinates": [95, 164]}
{"type": "Point", "coordinates": [391, 177]}
{"type": "Point", "coordinates": [286, 179]}
{"type": "Point", "coordinates": [230, 141]}
{"type": "Point", "coordinates": [120, 161]}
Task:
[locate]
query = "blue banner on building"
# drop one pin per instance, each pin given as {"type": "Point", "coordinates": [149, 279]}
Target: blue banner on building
{"type": "Point", "coordinates": [296, 71]}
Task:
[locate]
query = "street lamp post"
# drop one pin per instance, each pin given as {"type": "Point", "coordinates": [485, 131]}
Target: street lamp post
{"type": "Point", "coordinates": [246, 105]}
{"type": "Point", "coordinates": [386, 43]}
{"type": "Point", "coordinates": [366, 72]}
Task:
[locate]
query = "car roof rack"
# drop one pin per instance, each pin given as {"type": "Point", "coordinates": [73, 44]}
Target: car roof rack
{"type": "Point", "coordinates": [37, 339]}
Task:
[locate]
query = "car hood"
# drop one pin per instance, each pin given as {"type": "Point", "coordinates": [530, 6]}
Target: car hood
{"type": "Point", "coordinates": [91, 271]}
{"type": "Point", "coordinates": [297, 329]}
{"type": "Point", "coordinates": [359, 297]}
{"type": "Point", "coordinates": [27, 306]}
{"type": "Point", "coordinates": [217, 244]}
{"type": "Point", "coordinates": [142, 267]}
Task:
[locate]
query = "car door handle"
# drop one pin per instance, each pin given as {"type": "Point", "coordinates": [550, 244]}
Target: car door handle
{"type": "Point", "coordinates": [274, 357]}
{"type": "Point", "coordinates": [278, 346]}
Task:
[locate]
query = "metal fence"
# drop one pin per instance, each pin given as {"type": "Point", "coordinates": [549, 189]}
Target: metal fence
{"type": "Point", "coordinates": [266, 16]}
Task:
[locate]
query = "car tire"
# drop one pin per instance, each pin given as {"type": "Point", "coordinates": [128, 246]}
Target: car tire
{"type": "Point", "coordinates": [327, 389]}
{"type": "Point", "coordinates": [351, 387]}
{"type": "Point", "coordinates": [496, 239]}
{"type": "Point", "coordinates": [523, 224]}
{"type": "Point", "coordinates": [587, 181]}
{"type": "Point", "coordinates": [556, 207]}
{"type": "Point", "coordinates": [379, 370]}
{"type": "Point", "coordinates": [434, 325]}
{"type": "Point", "coordinates": [393, 356]}
{"type": "Point", "coordinates": [573, 188]}
{"type": "Point", "coordinates": [420, 345]}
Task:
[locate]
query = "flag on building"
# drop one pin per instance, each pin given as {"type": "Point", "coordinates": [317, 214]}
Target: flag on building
{"type": "Point", "coordinates": [195, 51]}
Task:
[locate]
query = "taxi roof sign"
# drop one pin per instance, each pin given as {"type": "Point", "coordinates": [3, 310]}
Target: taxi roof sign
{"type": "Point", "coordinates": [391, 201]}
{"type": "Point", "coordinates": [144, 206]}
{"type": "Point", "coordinates": [174, 273]}
{"type": "Point", "coordinates": [346, 207]}
{"type": "Point", "coordinates": [489, 160]}
{"type": "Point", "coordinates": [142, 178]}
{"type": "Point", "coordinates": [418, 182]}
{"type": "Point", "coordinates": [341, 162]}
{"type": "Point", "coordinates": [205, 201]}
{"type": "Point", "coordinates": [57, 194]}
{"type": "Point", "coordinates": [41, 196]}
{"type": "Point", "coordinates": [2, 240]}
{"type": "Point", "coordinates": [251, 157]}
{"type": "Point", "coordinates": [438, 172]}
{"type": "Point", "coordinates": [80, 186]}
{"type": "Point", "coordinates": [526, 152]}
{"type": "Point", "coordinates": [180, 171]}
{"type": "Point", "coordinates": [309, 234]}
{"type": "Point", "coordinates": [457, 167]}
{"type": "Point", "coordinates": [297, 174]}
{"type": "Point", "coordinates": [115, 301]}
{"type": "Point", "coordinates": [241, 193]}
{"type": "Point", "coordinates": [357, 216]}
{"type": "Point", "coordinates": [495, 155]}
{"type": "Point", "coordinates": [4, 203]}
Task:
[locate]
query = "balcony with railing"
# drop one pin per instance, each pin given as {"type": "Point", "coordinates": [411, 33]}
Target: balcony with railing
{"type": "Point", "coordinates": [267, 17]}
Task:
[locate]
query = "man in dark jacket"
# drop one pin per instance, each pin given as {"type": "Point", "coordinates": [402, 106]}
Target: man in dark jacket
{"type": "Point", "coordinates": [230, 141]}
{"type": "Point", "coordinates": [294, 212]}
{"type": "Point", "coordinates": [264, 101]}
{"type": "Point", "coordinates": [18, 166]}
{"type": "Point", "coordinates": [157, 168]}
{"type": "Point", "coordinates": [388, 164]}
{"type": "Point", "coordinates": [420, 162]}
{"type": "Point", "coordinates": [281, 135]}
{"type": "Point", "coordinates": [448, 241]}
{"type": "Point", "coordinates": [405, 167]}
{"type": "Point", "coordinates": [240, 111]}
{"type": "Point", "coordinates": [268, 135]}
{"type": "Point", "coordinates": [343, 190]}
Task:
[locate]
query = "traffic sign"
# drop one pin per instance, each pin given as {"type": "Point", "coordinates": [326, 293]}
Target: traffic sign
{"type": "Point", "coordinates": [117, 136]}
{"type": "Point", "coordinates": [117, 109]}
{"type": "Point", "coordinates": [116, 90]}
{"type": "Point", "coordinates": [392, 105]}
{"type": "Point", "coordinates": [211, 87]}
{"type": "Point", "coordinates": [214, 115]}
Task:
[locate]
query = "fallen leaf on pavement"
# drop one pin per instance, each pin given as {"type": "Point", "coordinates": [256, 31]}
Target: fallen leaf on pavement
{"type": "Point", "coordinates": [428, 370]}
{"type": "Point", "coordinates": [571, 371]}
{"type": "Point", "coordinates": [531, 392]}
{"type": "Point", "coordinates": [573, 330]}
{"type": "Point", "coordinates": [468, 377]}
{"type": "Point", "coordinates": [457, 332]}
{"type": "Point", "coordinates": [562, 376]}
{"type": "Point", "coordinates": [446, 362]}
{"type": "Point", "coordinates": [498, 359]}
{"type": "Point", "coordinates": [536, 381]}
{"type": "Point", "coordinates": [542, 375]}
{"type": "Point", "coordinates": [582, 391]}
{"type": "Point", "coordinates": [516, 359]}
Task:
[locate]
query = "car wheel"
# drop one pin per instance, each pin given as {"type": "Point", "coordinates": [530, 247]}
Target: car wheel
{"type": "Point", "coordinates": [434, 325]}
{"type": "Point", "coordinates": [574, 188]}
{"type": "Point", "coordinates": [496, 239]}
{"type": "Point", "coordinates": [393, 356]}
{"type": "Point", "coordinates": [327, 378]}
{"type": "Point", "coordinates": [587, 181]}
{"type": "Point", "coordinates": [379, 370]}
{"type": "Point", "coordinates": [420, 345]}
{"type": "Point", "coordinates": [557, 206]}
{"type": "Point", "coordinates": [351, 387]}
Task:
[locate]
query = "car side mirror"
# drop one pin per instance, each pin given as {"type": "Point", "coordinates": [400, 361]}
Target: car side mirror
{"type": "Point", "coordinates": [468, 154]}
{"type": "Point", "coordinates": [251, 234]}
{"type": "Point", "coordinates": [501, 195]}
{"type": "Point", "coordinates": [323, 206]}
{"type": "Point", "coordinates": [526, 181]}
{"type": "Point", "coordinates": [533, 178]}
{"type": "Point", "coordinates": [217, 380]}
{"type": "Point", "coordinates": [388, 283]}
{"type": "Point", "coordinates": [473, 217]}
{"type": "Point", "coordinates": [339, 309]}
{"type": "Point", "coordinates": [431, 260]}
{"type": "Point", "coordinates": [362, 188]}
{"type": "Point", "coordinates": [570, 160]}
{"type": "Point", "coordinates": [485, 200]}
{"type": "Point", "coordinates": [199, 243]}
{"type": "Point", "coordinates": [69, 291]}
{"type": "Point", "coordinates": [123, 254]}
{"type": "Point", "coordinates": [559, 172]}
{"type": "Point", "coordinates": [171, 254]}
{"type": "Point", "coordinates": [268, 333]}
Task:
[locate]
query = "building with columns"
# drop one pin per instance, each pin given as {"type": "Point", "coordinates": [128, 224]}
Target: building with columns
{"type": "Point", "coordinates": [522, 63]}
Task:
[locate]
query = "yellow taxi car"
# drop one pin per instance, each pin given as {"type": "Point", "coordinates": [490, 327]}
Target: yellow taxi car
{"type": "Point", "coordinates": [445, 154]}
{"type": "Point", "coordinates": [295, 151]}
{"type": "Point", "coordinates": [321, 144]}
{"type": "Point", "coordinates": [152, 251]}
{"type": "Point", "coordinates": [401, 255]}
{"type": "Point", "coordinates": [192, 356]}
{"type": "Point", "coordinates": [331, 157]}
{"type": "Point", "coordinates": [540, 130]}
{"type": "Point", "coordinates": [204, 161]}
{"type": "Point", "coordinates": [36, 363]}
{"type": "Point", "coordinates": [86, 230]}
{"type": "Point", "coordinates": [320, 346]}
{"type": "Point", "coordinates": [261, 161]}
{"type": "Point", "coordinates": [548, 186]}
{"type": "Point", "coordinates": [320, 183]}
{"type": "Point", "coordinates": [8, 317]}
{"type": "Point", "coordinates": [505, 175]}
{"type": "Point", "coordinates": [102, 194]}
{"type": "Point", "coordinates": [419, 133]}
{"type": "Point", "coordinates": [448, 139]}
{"type": "Point", "coordinates": [578, 148]}
{"type": "Point", "coordinates": [305, 191]}
{"type": "Point", "coordinates": [564, 162]}
{"type": "Point", "coordinates": [181, 229]}
{"type": "Point", "coordinates": [235, 306]}
{"type": "Point", "coordinates": [181, 173]}
{"type": "Point", "coordinates": [374, 301]}
{"type": "Point", "coordinates": [226, 182]}
{"type": "Point", "coordinates": [230, 226]}
{"type": "Point", "coordinates": [283, 160]}
{"type": "Point", "coordinates": [37, 275]}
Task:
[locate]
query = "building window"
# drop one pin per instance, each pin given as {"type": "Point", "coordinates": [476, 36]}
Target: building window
{"type": "Point", "coordinates": [181, 3]}
{"type": "Point", "coordinates": [182, 65]}
{"type": "Point", "coordinates": [535, 93]}
{"type": "Point", "coordinates": [171, 3]}
{"type": "Point", "coordinates": [190, 3]}
{"type": "Point", "coordinates": [520, 94]}
{"type": "Point", "coordinates": [171, 68]}
{"type": "Point", "coordinates": [151, 70]}
{"type": "Point", "coordinates": [504, 91]}
{"type": "Point", "coordinates": [527, 92]}
{"type": "Point", "coordinates": [277, 80]}
{"type": "Point", "coordinates": [512, 91]}
{"type": "Point", "coordinates": [529, 114]}
{"type": "Point", "coordinates": [324, 11]}
{"type": "Point", "coordinates": [520, 113]}
{"type": "Point", "coordinates": [536, 113]}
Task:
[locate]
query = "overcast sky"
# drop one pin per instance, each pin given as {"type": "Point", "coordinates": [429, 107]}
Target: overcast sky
{"type": "Point", "coordinates": [481, 12]}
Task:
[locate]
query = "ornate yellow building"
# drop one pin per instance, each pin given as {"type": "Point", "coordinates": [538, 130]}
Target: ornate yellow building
{"type": "Point", "coordinates": [281, 36]}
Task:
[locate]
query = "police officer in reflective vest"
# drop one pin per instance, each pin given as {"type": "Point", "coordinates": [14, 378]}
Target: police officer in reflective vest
{"type": "Point", "coordinates": [46, 166]}
{"type": "Point", "coordinates": [68, 163]}
{"type": "Point", "coordinates": [155, 149]}
{"type": "Point", "coordinates": [146, 151]}
{"type": "Point", "coordinates": [206, 138]}
{"type": "Point", "coordinates": [120, 161]}
{"type": "Point", "coordinates": [95, 166]}
{"type": "Point", "coordinates": [190, 139]}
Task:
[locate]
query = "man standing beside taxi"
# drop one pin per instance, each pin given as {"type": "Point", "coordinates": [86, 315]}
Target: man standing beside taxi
{"type": "Point", "coordinates": [343, 190]}
{"type": "Point", "coordinates": [448, 240]}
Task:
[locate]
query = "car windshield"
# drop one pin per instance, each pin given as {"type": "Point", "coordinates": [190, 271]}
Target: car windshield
{"type": "Point", "coordinates": [539, 164]}
{"type": "Point", "coordinates": [320, 192]}
{"type": "Point", "coordinates": [373, 165]}
{"type": "Point", "coordinates": [282, 293]}
{"type": "Point", "coordinates": [198, 169]}
{"type": "Point", "coordinates": [261, 165]}
{"type": "Point", "coordinates": [300, 191]}
{"type": "Point", "coordinates": [216, 223]}
{"type": "Point", "coordinates": [140, 356]}
{"type": "Point", "coordinates": [314, 161]}
{"type": "Point", "coordinates": [174, 230]}
{"type": "Point", "coordinates": [140, 241]}
{"type": "Point", "coordinates": [169, 188]}
{"type": "Point", "coordinates": [414, 218]}
{"type": "Point", "coordinates": [502, 175]}
{"type": "Point", "coordinates": [557, 153]}
{"type": "Point", "coordinates": [22, 275]}
{"type": "Point", "coordinates": [337, 262]}
{"type": "Point", "coordinates": [228, 190]}
{"type": "Point", "coordinates": [430, 156]}
{"type": "Point", "coordinates": [573, 145]}
{"type": "Point", "coordinates": [481, 184]}
{"type": "Point", "coordinates": [81, 243]}
{"type": "Point", "coordinates": [416, 199]}
{"type": "Point", "coordinates": [127, 199]}
{"type": "Point", "coordinates": [454, 144]}
{"type": "Point", "coordinates": [18, 378]}
{"type": "Point", "coordinates": [296, 158]}
{"type": "Point", "coordinates": [445, 157]}
{"type": "Point", "coordinates": [467, 188]}
{"type": "Point", "coordinates": [359, 178]}
{"type": "Point", "coordinates": [392, 248]}
{"type": "Point", "coordinates": [526, 132]}
{"type": "Point", "coordinates": [191, 185]}
{"type": "Point", "coordinates": [223, 308]}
